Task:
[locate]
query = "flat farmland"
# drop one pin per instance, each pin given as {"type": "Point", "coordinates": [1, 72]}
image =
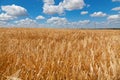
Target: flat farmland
{"type": "Point", "coordinates": [59, 54]}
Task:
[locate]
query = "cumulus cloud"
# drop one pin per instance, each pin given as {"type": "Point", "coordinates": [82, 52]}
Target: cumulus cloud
{"type": "Point", "coordinates": [98, 14]}
{"type": "Point", "coordinates": [57, 21]}
{"type": "Point", "coordinates": [14, 10]}
{"type": "Point", "coordinates": [81, 23]}
{"type": "Point", "coordinates": [84, 12]}
{"type": "Point", "coordinates": [114, 20]}
{"type": "Point", "coordinates": [73, 4]}
{"type": "Point", "coordinates": [114, 17]}
{"type": "Point", "coordinates": [6, 17]}
{"type": "Point", "coordinates": [27, 22]}
{"type": "Point", "coordinates": [50, 7]}
{"type": "Point", "coordinates": [64, 23]}
{"type": "Point", "coordinates": [84, 22]}
{"type": "Point", "coordinates": [6, 24]}
{"type": "Point", "coordinates": [2, 23]}
{"type": "Point", "coordinates": [116, 9]}
{"type": "Point", "coordinates": [116, 0]}
{"type": "Point", "coordinates": [11, 12]}
{"type": "Point", "coordinates": [40, 17]}
{"type": "Point", "coordinates": [48, 1]}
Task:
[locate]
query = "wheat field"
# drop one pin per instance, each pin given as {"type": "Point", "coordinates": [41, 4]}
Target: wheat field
{"type": "Point", "coordinates": [58, 54]}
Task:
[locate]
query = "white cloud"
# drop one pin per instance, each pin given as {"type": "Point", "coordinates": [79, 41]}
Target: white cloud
{"type": "Point", "coordinates": [14, 10]}
{"type": "Point", "coordinates": [84, 22]}
{"type": "Point", "coordinates": [40, 17]}
{"type": "Point", "coordinates": [116, 0]}
{"type": "Point", "coordinates": [116, 9]}
{"type": "Point", "coordinates": [27, 22]}
{"type": "Point", "coordinates": [73, 4]}
{"type": "Point", "coordinates": [114, 17]}
{"type": "Point", "coordinates": [2, 23]}
{"type": "Point", "coordinates": [57, 21]}
{"type": "Point", "coordinates": [98, 14]}
{"type": "Point", "coordinates": [11, 12]}
{"type": "Point", "coordinates": [48, 1]}
{"type": "Point", "coordinates": [114, 20]}
{"type": "Point", "coordinates": [6, 24]}
{"type": "Point", "coordinates": [64, 23]}
{"type": "Point", "coordinates": [78, 24]}
{"type": "Point", "coordinates": [50, 7]}
{"type": "Point", "coordinates": [84, 12]}
{"type": "Point", "coordinates": [6, 17]}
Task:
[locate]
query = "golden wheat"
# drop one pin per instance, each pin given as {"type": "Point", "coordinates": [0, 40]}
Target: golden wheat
{"type": "Point", "coordinates": [57, 54]}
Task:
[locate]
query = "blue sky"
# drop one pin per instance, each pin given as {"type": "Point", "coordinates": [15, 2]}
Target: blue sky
{"type": "Point", "coordinates": [60, 13]}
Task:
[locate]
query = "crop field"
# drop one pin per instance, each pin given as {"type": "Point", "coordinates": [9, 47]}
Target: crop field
{"type": "Point", "coordinates": [59, 54]}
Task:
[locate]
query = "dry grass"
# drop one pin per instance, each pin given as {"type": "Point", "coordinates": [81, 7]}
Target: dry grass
{"type": "Point", "coordinates": [51, 54]}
